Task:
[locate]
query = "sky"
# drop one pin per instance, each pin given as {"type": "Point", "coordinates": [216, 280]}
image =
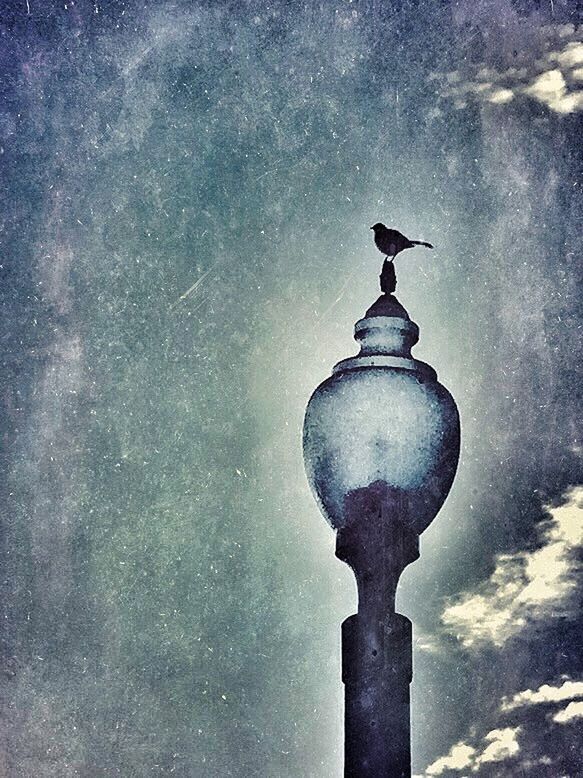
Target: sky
{"type": "Point", "coordinates": [186, 192]}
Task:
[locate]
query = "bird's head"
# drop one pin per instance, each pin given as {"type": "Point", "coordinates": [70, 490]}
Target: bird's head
{"type": "Point", "coordinates": [378, 226]}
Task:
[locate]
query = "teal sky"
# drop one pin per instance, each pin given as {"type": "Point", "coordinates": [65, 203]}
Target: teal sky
{"type": "Point", "coordinates": [186, 195]}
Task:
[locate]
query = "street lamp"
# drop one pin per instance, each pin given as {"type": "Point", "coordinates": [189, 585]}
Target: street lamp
{"type": "Point", "coordinates": [381, 446]}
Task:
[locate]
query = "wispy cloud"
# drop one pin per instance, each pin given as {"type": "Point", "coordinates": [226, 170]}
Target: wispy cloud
{"type": "Point", "coordinates": [569, 690]}
{"type": "Point", "coordinates": [499, 745]}
{"type": "Point", "coordinates": [517, 741]}
{"type": "Point", "coordinates": [553, 79]}
{"type": "Point", "coordinates": [459, 758]}
{"type": "Point", "coordinates": [496, 746]}
{"type": "Point", "coordinates": [513, 745]}
{"type": "Point", "coordinates": [529, 587]}
{"type": "Point", "coordinates": [551, 89]}
{"type": "Point", "coordinates": [526, 587]}
{"type": "Point", "coordinates": [574, 710]}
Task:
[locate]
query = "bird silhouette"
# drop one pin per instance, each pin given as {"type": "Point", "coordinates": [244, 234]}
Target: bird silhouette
{"type": "Point", "coordinates": [391, 242]}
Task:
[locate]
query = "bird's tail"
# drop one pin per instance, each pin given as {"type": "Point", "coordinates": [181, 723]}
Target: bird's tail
{"type": "Point", "coordinates": [422, 243]}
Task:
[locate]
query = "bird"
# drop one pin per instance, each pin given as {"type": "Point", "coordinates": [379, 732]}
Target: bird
{"type": "Point", "coordinates": [391, 242]}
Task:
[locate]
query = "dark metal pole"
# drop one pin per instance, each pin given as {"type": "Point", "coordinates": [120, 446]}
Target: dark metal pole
{"type": "Point", "coordinates": [376, 641]}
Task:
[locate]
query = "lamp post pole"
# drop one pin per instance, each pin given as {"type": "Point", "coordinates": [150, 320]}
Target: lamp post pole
{"type": "Point", "coordinates": [381, 446]}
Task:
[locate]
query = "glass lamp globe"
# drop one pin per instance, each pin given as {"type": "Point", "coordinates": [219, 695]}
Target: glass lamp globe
{"type": "Point", "coordinates": [383, 426]}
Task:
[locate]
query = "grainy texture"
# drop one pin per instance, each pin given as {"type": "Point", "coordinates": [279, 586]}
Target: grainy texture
{"type": "Point", "coordinates": [186, 192]}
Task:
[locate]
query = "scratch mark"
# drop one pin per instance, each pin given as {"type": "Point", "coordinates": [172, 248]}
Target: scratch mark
{"type": "Point", "coordinates": [267, 172]}
{"type": "Point", "coordinates": [132, 65]}
{"type": "Point", "coordinates": [340, 295]}
{"type": "Point", "coordinates": [193, 288]}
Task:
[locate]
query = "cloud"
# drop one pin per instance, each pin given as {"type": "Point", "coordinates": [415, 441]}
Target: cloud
{"type": "Point", "coordinates": [544, 694]}
{"type": "Point", "coordinates": [526, 587]}
{"type": "Point", "coordinates": [500, 95]}
{"type": "Point", "coordinates": [574, 710]}
{"type": "Point", "coordinates": [553, 79]}
{"type": "Point", "coordinates": [459, 758]}
{"type": "Point", "coordinates": [548, 695]}
{"type": "Point", "coordinates": [501, 745]}
{"type": "Point", "coordinates": [497, 746]}
{"type": "Point", "coordinates": [570, 56]}
{"type": "Point", "coordinates": [550, 88]}
{"type": "Point", "coordinates": [533, 730]}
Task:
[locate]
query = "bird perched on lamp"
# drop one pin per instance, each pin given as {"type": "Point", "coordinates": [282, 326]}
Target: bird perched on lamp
{"type": "Point", "coordinates": [392, 242]}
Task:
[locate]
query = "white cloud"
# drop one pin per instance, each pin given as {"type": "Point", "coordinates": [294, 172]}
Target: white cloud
{"type": "Point", "coordinates": [530, 764]}
{"type": "Point", "coordinates": [574, 710]}
{"type": "Point", "coordinates": [550, 80]}
{"type": "Point", "coordinates": [525, 587]}
{"type": "Point", "coordinates": [497, 746]}
{"type": "Point", "coordinates": [429, 644]}
{"type": "Point", "coordinates": [502, 744]}
{"type": "Point", "coordinates": [500, 96]}
{"type": "Point", "coordinates": [550, 88]}
{"type": "Point", "coordinates": [460, 757]}
{"type": "Point", "coordinates": [570, 56]}
{"type": "Point", "coordinates": [569, 690]}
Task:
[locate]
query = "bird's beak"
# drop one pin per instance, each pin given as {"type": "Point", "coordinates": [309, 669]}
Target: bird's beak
{"type": "Point", "coordinates": [370, 228]}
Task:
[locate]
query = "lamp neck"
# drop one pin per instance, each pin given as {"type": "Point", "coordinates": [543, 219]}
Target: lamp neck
{"type": "Point", "coordinates": [377, 542]}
